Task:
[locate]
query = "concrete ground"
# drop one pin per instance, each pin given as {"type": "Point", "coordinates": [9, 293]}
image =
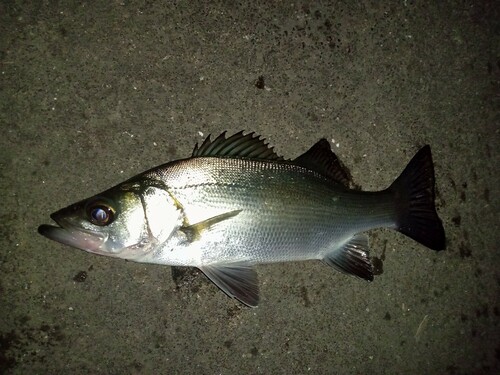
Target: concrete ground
{"type": "Point", "coordinates": [92, 93]}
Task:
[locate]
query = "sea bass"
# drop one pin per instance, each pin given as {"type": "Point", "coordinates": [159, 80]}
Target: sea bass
{"type": "Point", "coordinates": [236, 203]}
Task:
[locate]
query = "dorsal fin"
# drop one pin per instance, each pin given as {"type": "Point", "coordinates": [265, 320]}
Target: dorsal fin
{"type": "Point", "coordinates": [238, 145]}
{"type": "Point", "coordinates": [320, 158]}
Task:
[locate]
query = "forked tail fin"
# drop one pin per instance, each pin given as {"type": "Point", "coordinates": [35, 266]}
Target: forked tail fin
{"type": "Point", "coordinates": [414, 191]}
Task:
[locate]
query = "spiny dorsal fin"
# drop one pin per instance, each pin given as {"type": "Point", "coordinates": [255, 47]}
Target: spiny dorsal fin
{"type": "Point", "coordinates": [320, 158]}
{"type": "Point", "coordinates": [238, 145]}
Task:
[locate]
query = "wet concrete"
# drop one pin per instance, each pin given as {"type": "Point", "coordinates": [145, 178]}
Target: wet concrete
{"type": "Point", "coordinates": [92, 94]}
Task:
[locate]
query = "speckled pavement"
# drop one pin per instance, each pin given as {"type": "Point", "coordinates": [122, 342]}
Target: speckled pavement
{"type": "Point", "coordinates": [92, 93]}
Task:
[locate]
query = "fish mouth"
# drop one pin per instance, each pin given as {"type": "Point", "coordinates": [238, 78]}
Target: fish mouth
{"type": "Point", "coordinates": [70, 235]}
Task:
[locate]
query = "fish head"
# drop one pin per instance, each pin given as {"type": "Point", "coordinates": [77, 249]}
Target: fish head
{"type": "Point", "coordinates": [127, 221]}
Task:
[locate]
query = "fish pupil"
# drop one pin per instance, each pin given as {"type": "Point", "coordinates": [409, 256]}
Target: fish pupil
{"type": "Point", "coordinates": [98, 214]}
{"type": "Point", "coordinates": [101, 215]}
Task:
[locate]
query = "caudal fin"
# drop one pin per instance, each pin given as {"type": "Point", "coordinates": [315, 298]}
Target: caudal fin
{"type": "Point", "coordinates": [414, 191]}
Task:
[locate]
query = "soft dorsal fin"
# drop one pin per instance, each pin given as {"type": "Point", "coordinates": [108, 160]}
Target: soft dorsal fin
{"type": "Point", "coordinates": [238, 145]}
{"type": "Point", "coordinates": [320, 158]}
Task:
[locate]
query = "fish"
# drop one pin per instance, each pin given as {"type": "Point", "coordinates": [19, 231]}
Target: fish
{"type": "Point", "coordinates": [235, 203]}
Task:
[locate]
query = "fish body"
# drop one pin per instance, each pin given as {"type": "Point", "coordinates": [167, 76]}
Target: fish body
{"type": "Point", "coordinates": [235, 203]}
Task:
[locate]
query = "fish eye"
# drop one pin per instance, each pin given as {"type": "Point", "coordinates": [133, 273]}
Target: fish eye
{"type": "Point", "coordinates": [100, 213]}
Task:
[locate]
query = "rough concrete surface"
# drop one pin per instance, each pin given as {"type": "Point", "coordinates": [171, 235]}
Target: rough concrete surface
{"type": "Point", "coordinates": [92, 93]}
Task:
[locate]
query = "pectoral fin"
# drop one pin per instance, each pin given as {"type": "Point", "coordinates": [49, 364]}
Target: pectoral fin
{"type": "Point", "coordinates": [353, 258]}
{"type": "Point", "coordinates": [193, 231]}
{"type": "Point", "coordinates": [237, 280]}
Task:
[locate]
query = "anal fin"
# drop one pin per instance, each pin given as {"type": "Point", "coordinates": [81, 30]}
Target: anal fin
{"type": "Point", "coordinates": [237, 280]}
{"type": "Point", "coordinates": [353, 258]}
